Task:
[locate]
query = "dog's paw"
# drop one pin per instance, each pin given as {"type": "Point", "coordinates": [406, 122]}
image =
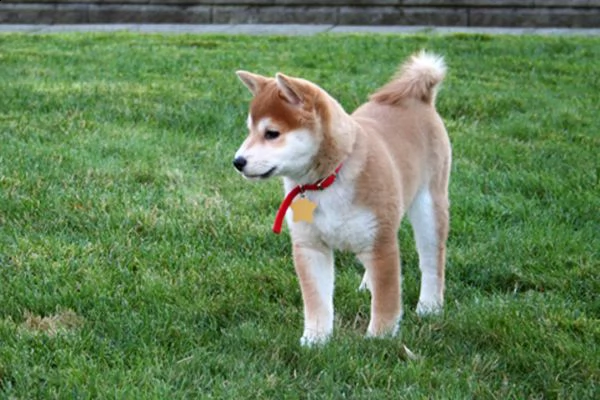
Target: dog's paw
{"type": "Point", "coordinates": [382, 331]}
{"type": "Point", "coordinates": [428, 308]}
{"type": "Point", "coordinates": [313, 340]}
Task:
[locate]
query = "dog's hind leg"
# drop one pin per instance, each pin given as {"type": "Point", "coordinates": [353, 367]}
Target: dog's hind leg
{"type": "Point", "coordinates": [428, 215]}
{"type": "Point", "coordinates": [365, 283]}
{"type": "Point", "coordinates": [314, 267]}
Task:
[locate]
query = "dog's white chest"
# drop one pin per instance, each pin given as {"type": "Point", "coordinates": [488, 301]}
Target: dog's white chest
{"type": "Point", "coordinates": [338, 221]}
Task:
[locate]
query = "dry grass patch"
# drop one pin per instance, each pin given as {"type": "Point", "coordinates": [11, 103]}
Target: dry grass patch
{"type": "Point", "coordinates": [62, 322]}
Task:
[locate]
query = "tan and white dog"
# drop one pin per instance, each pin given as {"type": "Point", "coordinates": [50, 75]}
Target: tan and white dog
{"type": "Point", "coordinates": [393, 156]}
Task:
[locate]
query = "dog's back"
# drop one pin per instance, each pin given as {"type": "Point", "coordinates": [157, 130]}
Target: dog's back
{"type": "Point", "coordinates": [403, 117]}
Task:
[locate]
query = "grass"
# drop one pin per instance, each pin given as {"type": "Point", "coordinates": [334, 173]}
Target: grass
{"type": "Point", "coordinates": [134, 262]}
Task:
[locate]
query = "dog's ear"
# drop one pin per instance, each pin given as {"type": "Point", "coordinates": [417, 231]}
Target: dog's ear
{"type": "Point", "coordinates": [253, 82]}
{"type": "Point", "coordinates": [291, 88]}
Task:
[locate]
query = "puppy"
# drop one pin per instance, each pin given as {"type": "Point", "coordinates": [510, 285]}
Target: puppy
{"type": "Point", "coordinates": [359, 173]}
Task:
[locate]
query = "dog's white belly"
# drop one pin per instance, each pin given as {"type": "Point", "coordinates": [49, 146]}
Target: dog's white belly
{"type": "Point", "coordinates": [338, 222]}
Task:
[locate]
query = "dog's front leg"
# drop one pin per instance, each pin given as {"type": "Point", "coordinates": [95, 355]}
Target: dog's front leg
{"type": "Point", "coordinates": [383, 280]}
{"type": "Point", "coordinates": [314, 267]}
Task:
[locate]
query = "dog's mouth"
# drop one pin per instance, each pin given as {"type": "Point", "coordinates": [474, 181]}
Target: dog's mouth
{"type": "Point", "coordinates": [262, 176]}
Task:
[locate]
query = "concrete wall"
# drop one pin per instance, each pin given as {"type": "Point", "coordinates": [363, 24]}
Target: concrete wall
{"type": "Point", "coordinates": [507, 13]}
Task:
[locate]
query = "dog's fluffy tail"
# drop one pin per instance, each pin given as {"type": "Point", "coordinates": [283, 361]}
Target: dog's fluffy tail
{"type": "Point", "coordinates": [418, 78]}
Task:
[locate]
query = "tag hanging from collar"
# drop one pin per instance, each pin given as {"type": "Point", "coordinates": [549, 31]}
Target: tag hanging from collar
{"type": "Point", "coordinates": [304, 210]}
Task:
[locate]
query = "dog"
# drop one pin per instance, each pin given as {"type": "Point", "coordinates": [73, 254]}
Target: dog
{"type": "Point", "coordinates": [362, 172]}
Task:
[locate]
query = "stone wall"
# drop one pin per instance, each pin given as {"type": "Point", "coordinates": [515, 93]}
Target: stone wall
{"type": "Point", "coordinates": [487, 13]}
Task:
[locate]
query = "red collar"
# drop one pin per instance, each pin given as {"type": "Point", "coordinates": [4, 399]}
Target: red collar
{"type": "Point", "coordinates": [287, 201]}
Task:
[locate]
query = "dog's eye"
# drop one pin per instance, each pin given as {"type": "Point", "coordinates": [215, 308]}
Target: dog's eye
{"type": "Point", "coordinates": [270, 135]}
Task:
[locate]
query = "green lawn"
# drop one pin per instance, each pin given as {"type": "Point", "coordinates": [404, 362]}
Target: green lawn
{"type": "Point", "coordinates": [136, 264]}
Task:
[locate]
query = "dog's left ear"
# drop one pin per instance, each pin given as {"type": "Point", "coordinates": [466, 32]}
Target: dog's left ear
{"type": "Point", "coordinates": [291, 88]}
{"type": "Point", "coordinates": [253, 82]}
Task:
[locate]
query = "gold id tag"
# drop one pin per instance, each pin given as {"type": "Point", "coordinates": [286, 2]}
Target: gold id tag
{"type": "Point", "coordinates": [303, 210]}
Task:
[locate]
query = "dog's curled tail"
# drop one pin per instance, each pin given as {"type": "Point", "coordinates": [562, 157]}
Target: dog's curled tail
{"type": "Point", "coordinates": [418, 78]}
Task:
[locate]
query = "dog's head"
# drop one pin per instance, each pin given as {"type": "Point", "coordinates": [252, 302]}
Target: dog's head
{"type": "Point", "coordinates": [287, 125]}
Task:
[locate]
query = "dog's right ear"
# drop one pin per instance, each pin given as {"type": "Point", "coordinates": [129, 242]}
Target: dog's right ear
{"type": "Point", "coordinates": [253, 82]}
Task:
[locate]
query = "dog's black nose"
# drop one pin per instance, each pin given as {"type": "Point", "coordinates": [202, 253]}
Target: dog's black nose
{"type": "Point", "coordinates": [239, 163]}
